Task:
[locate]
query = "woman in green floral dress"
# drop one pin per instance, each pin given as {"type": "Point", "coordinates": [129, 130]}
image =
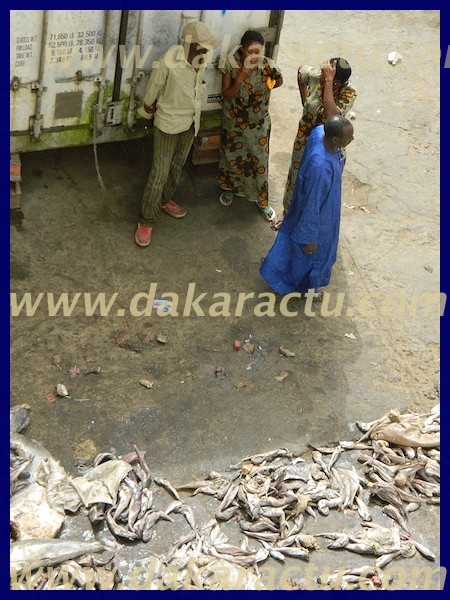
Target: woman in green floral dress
{"type": "Point", "coordinates": [247, 80]}
{"type": "Point", "coordinates": [324, 92]}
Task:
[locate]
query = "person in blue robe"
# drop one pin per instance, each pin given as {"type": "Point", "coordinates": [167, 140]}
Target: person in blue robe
{"type": "Point", "coordinates": [304, 251]}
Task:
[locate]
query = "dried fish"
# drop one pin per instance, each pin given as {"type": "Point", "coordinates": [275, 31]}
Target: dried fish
{"type": "Point", "coordinates": [119, 530]}
{"type": "Point", "coordinates": [28, 555]}
{"type": "Point", "coordinates": [394, 514]}
{"type": "Point", "coordinates": [150, 521]}
{"type": "Point", "coordinates": [167, 486]}
{"type": "Point", "coordinates": [424, 551]}
{"type": "Point", "coordinates": [412, 506]}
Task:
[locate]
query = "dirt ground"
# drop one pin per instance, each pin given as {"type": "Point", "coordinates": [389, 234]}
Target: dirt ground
{"type": "Point", "coordinates": [69, 238]}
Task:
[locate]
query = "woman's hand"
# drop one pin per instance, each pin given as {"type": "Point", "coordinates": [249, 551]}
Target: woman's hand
{"type": "Point", "coordinates": [245, 71]}
{"type": "Point", "coordinates": [328, 70]}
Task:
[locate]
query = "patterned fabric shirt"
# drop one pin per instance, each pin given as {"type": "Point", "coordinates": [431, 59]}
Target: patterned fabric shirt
{"type": "Point", "coordinates": [313, 110]}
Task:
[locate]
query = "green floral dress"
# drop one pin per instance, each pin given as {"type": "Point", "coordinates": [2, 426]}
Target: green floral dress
{"type": "Point", "coordinates": [313, 114]}
{"type": "Point", "coordinates": [244, 152]}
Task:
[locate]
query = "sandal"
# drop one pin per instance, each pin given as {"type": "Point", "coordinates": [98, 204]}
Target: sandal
{"type": "Point", "coordinates": [226, 198]}
{"type": "Point", "coordinates": [269, 215]}
{"type": "Point", "coordinates": [280, 220]}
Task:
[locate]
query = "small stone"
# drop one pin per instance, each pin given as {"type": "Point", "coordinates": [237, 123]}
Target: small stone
{"type": "Point", "coordinates": [287, 353]}
{"type": "Point", "coordinates": [394, 57]}
{"type": "Point", "coordinates": [61, 390]}
{"type": "Point", "coordinates": [220, 373]}
{"type": "Point", "coordinates": [162, 339]}
{"type": "Point", "coordinates": [282, 375]}
{"type": "Point", "coordinates": [123, 337]}
{"type": "Point", "coordinates": [250, 348]}
{"type": "Point", "coordinates": [147, 384]}
{"type": "Point", "coordinates": [240, 384]}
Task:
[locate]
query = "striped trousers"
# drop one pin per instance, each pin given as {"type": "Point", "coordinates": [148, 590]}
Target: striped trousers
{"type": "Point", "coordinates": [170, 152]}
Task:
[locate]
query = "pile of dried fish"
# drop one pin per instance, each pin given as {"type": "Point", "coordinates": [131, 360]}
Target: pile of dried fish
{"type": "Point", "coordinates": [205, 560]}
{"type": "Point", "coordinates": [133, 516]}
{"type": "Point", "coordinates": [272, 497]}
{"type": "Point", "coordinates": [271, 494]}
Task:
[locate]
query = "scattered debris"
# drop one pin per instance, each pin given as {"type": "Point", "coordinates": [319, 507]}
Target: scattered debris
{"type": "Point", "coordinates": [57, 360]}
{"type": "Point", "coordinates": [287, 353]}
{"type": "Point", "coordinates": [282, 375]}
{"type": "Point", "coordinates": [61, 390]}
{"type": "Point", "coordinates": [365, 209]}
{"type": "Point", "coordinates": [124, 340]}
{"type": "Point", "coordinates": [350, 206]}
{"type": "Point", "coordinates": [394, 57]}
{"type": "Point", "coordinates": [50, 397]}
{"type": "Point", "coordinates": [147, 384]}
{"type": "Point", "coordinates": [250, 348]}
{"type": "Point", "coordinates": [93, 370]}
{"type": "Point", "coordinates": [123, 337]}
{"type": "Point", "coordinates": [220, 372]}
{"type": "Point", "coordinates": [236, 345]}
{"type": "Point", "coordinates": [149, 338]}
{"type": "Point", "coordinates": [162, 339]}
{"type": "Point", "coordinates": [351, 115]}
{"type": "Point", "coordinates": [74, 372]}
{"type": "Point", "coordinates": [162, 305]}
{"type": "Point", "coordinates": [429, 269]}
{"type": "Point", "coordinates": [352, 336]}
{"type": "Point", "coordinates": [240, 384]}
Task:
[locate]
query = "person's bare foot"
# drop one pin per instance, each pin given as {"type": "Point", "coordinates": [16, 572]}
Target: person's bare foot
{"type": "Point", "coordinates": [280, 219]}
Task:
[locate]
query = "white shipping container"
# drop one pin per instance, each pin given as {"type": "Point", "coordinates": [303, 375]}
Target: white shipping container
{"type": "Point", "coordinates": [79, 76]}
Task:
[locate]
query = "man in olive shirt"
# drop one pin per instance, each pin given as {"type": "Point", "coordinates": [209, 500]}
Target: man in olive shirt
{"type": "Point", "coordinates": [174, 94]}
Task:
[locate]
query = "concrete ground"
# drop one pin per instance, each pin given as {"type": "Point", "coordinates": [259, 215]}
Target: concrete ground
{"type": "Point", "coordinates": [69, 238]}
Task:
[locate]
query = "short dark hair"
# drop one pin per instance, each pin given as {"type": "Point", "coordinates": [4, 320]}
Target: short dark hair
{"type": "Point", "coordinates": [334, 126]}
{"type": "Point", "coordinates": [343, 69]}
{"type": "Point", "coordinates": [252, 36]}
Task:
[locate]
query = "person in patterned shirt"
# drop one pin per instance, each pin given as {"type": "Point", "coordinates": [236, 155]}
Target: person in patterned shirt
{"type": "Point", "coordinates": [248, 78]}
{"type": "Point", "coordinates": [324, 92]}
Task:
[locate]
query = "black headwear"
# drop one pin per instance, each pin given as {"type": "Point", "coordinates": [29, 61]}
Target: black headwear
{"type": "Point", "coordinates": [343, 69]}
